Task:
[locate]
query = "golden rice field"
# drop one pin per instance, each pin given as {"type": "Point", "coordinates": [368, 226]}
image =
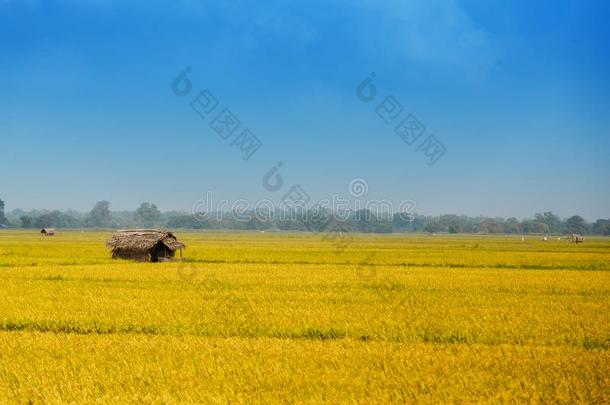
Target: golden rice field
{"type": "Point", "coordinates": [270, 317]}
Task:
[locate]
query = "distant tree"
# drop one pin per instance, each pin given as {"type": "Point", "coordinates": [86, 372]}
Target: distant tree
{"type": "Point", "coordinates": [601, 227]}
{"type": "Point", "coordinates": [532, 226]}
{"type": "Point", "coordinates": [187, 221]}
{"type": "Point", "coordinates": [26, 221]}
{"type": "Point", "coordinates": [383, 226]}
{"type": "Point", "coordinates": [450, 223]}
{"type": "Point", "coordinates": [258, 223]}
{"type": "Point", "coordinates": [418, 223]}
{"type": "Point", "coordinates": [55, 219]}
{"type": "Point", "coordinates": [315, 220]}
{"type": "Point", "coordinates": [489, 225]}
{"type": "Point", "coordinates": [99, 216]}
{"type": "Point", "coordinates": [432, 226]}
{"type": "Point", "coordinates": [3, 219]}
{"type": "Point", "coordinates": [576, 224]}
{"type": "Point", "coordinates": [511, 225]}
{"type": "Point", "coordinates": [470, 226]}
{"type": "Point", "coordinates": [402, 222]}
{"type": "Point", "coordinates": [365, 220]}
{"type": "Point", "coordinates": [290, 224]}
{"type": "Point", "coordinates": [147, 215]}
{"type": "Point", "coordinates": [44, 221]}
{"type": "Point", "coordinates": [551, 220]}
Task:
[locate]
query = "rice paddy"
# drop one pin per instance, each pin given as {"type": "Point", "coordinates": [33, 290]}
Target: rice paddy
{"type": "Point", "coordinates": [276, 317]}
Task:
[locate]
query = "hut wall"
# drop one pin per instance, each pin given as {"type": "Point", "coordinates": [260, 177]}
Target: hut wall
{"type": "Point", "coordinates": [131, 255]}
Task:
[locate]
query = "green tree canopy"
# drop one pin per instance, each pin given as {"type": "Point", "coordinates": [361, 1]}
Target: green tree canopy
{"type": "Point", "coordinates": [601, 227]}
{"type": "Point", "coordinates": [551, 220]}
{"type": "Point", "coordinates": [147, 215]}
{"type": "Point", "coordinates": [3, 219]}
{"type": "Point", "coordinates": [576, 224]}
{"type": "Point", "coordinates": [99, 216]}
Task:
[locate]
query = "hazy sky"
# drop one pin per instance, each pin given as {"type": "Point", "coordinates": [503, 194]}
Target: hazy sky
{"type": "Point", "coordinates": [518, 92]}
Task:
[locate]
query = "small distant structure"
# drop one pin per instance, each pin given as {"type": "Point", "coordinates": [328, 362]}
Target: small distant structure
{"type": "Point", "coordinates": [47, 232]}
{"type": "Point", "coordinates": [144, 245]}
{"type": "Point", "coordinates": [576, 238]}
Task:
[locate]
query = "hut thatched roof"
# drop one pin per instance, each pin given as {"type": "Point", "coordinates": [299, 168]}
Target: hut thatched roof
{"type": "Point", "coordinates": [142, 240]}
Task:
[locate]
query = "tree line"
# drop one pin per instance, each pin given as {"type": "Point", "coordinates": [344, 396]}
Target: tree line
{"type": "Point", "coordinates": [148, 215]}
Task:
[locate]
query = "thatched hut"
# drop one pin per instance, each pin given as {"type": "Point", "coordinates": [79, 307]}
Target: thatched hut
{"type": "Point", "coordinates": [47, 231]}
{"type": "Point", "coordinates": [576, 238]}
{"type": "Point", "coordinates": [145, 245]}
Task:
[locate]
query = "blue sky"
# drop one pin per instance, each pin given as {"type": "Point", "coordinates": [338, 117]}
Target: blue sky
{"type": "Point", "coordinates": [518, 92]}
